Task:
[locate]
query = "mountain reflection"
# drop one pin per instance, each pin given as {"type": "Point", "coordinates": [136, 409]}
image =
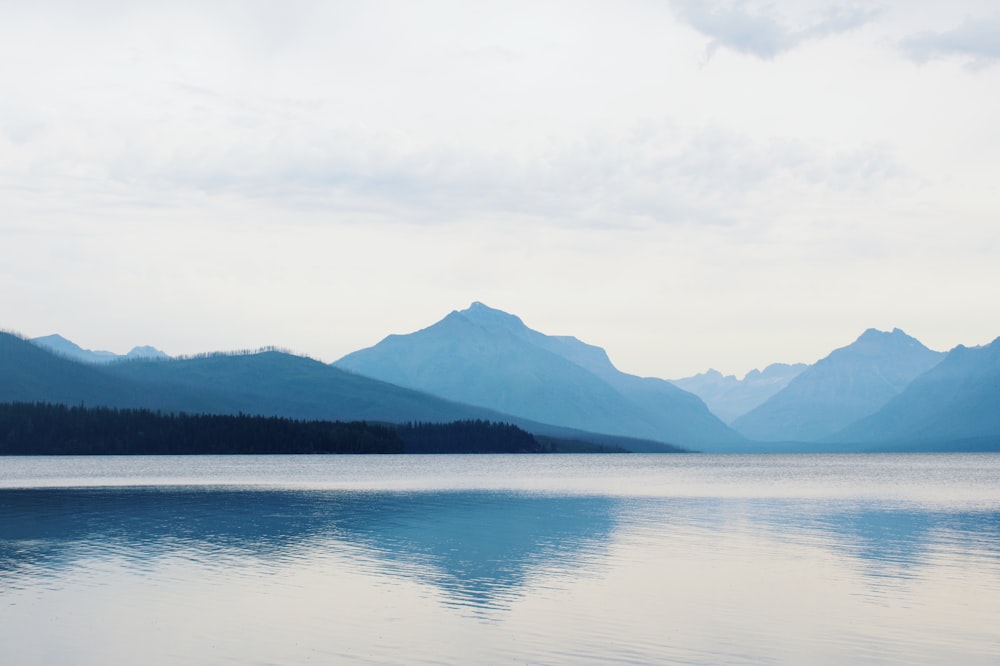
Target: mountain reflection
{"type": "Point", "coordinates": [478, 548]}
{"type": "Point", "coordinates": [885, 544]}
{"type": "Point", "coordinates": [893, 543]}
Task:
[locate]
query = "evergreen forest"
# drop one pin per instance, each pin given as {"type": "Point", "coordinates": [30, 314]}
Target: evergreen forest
{"type": "Point", "coordinates": [56, 429]}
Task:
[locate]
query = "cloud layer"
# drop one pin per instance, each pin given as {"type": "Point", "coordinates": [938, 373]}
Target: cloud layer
{"type": "Point", "coordinates": [316, 175]}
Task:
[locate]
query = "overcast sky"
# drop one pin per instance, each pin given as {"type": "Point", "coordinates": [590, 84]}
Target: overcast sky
{"type": "Point", "coordinates": [688, 184]}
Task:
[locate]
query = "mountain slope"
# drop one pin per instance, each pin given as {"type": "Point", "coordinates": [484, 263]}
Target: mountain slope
{"type": "Point", "coordinates": [29, 373]}
{"type": "Point", "coordinates": [280, 384]}
{"type": "Point", "coordinates": [958, 399]}
{"type": "Point", "coordinates": [729, 397]}
{"type": "Point", "coordinates": [268, 383]}
{"type": "Point", "coordinates": [489, 358]}
{"type": "Point", "coordinates": [849, 384]}
{"type": "Point", "coordinates": [669, 407]}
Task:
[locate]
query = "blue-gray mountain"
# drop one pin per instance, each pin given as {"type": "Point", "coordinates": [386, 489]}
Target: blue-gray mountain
{"type": "Point", "coordinates": [851, 383]}
{"type": "Point", "coordinates": [729, 397]}
{"type": "Point", "coordinates": [957, 400]}
{"type": "Point", "coordinates": [267, 383]}
{"type": "Point", "coordinates": [63, 347]}
{"type": "Point", "coordinates": [32, 373]}
{"type": "Point", "coordinates": [489, 358]}
{"type": "Point", "coordinates": [885, 391]}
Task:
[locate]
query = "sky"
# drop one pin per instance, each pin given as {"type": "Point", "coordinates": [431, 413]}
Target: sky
{"type": "Point", "coordinates": [688, 184]}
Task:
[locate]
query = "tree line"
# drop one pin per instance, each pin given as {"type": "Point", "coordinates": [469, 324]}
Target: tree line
{"type": "Point", "coordinates": [50, 429]}
{"type": "Point", "coordinates": [472, 436]}
{"type": "Point", "coordinates": [56, 429]}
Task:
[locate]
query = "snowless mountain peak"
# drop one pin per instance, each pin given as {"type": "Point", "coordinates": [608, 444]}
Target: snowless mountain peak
{"type": "Point", "coordinates": [145, 351]}
{"type": "Point", "coordinates": [874, 334]}
{"type": "Point", "coordinates": [488, 317]}
{"type": "Point", "coordinates": [896, 334]}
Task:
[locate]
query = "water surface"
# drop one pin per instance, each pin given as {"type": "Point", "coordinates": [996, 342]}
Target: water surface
{"type": "Point", "coordinates": [686, 559]}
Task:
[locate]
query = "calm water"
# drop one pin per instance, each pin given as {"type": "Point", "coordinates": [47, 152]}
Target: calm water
{"type": "Point", "coordinates": [630, 559]}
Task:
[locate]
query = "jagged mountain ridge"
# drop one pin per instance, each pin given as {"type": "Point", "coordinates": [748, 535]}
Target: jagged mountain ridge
{"type": "Point", "coordinates": [850, 383]}
{"type": "Point", "coordinates": [489, 358]}
{"type": "Point", "coordinates": [729, 397]}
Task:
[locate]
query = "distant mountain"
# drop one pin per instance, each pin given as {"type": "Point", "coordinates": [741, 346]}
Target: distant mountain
{"type": "Point", "coordinates": [955, 402]}
{"type": "Point", "coordinates": [849, 384]}
{"type": "Point", "coordinates": [68, 349]}
{"type": "Point", "coordinates": [268, 383]}
{"type": "Point", "coordinates": [71, 350]}
{"type": "Point", "coordinates": [31, 373]}
{"type": "Point", "coordinates": [486, 357]}
{"type": "Point", "coordinates": [145, 351]}
{"type": "Point", "coordinates": [729, 397]}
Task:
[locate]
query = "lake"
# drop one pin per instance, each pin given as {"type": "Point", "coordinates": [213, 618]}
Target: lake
{"type": "Point", "coordinates": [549, 559]}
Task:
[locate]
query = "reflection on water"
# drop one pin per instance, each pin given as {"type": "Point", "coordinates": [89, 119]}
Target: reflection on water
{"type": "Point", "coordinates": [252, 574]}
{"type": "Point", "coordinates": [479, 548]}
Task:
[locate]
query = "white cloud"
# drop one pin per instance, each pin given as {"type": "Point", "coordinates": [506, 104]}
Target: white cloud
{"type": "Point", "coordinates": [975, 40]}
{"type": "Point", "coordinates": [758, 29]}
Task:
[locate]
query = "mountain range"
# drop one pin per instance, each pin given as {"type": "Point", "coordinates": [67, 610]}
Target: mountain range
{"type": "Point", "coordinates": [958, 400]}
{"type": "Point", "coordinates": [729, 397]}
{"type": "Point", "coordinates": [884, 391]}
{"type": "Point", "coordinates": [489, 358]}
{"type": "Point", "coordinates": [267, 383]}
{"type": "Point", "coordinates": [849, 384]}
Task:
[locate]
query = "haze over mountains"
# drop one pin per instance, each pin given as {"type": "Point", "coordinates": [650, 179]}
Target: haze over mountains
{"type": "Point", "coordinates": [729, 397]}
{"type": "Point", "coordinates": [884, 391]}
